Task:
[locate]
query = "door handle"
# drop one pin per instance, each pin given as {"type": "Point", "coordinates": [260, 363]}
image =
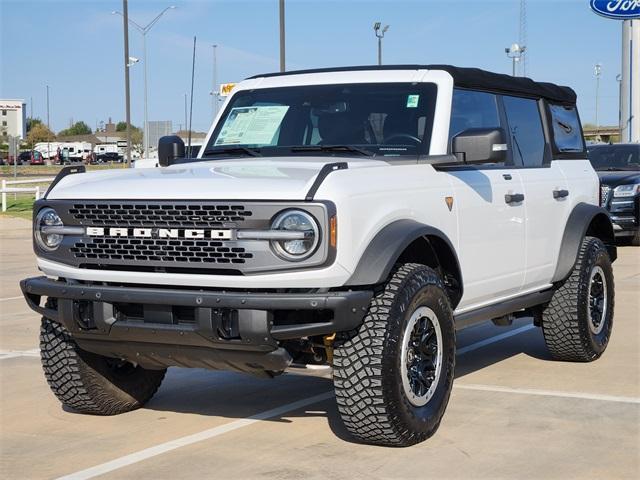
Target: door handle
{"type": "Point", "coordinates": [514, 198]}
{"type": "Point", "coordinates": [560, 194]}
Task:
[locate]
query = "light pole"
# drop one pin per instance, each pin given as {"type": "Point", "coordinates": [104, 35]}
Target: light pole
{"type": "Point", "coordinates": [515, 53]}
{"type": "Point", "coordinates": [48, 128]}
{"type": "Point", "coordinates": [597, 70]}
{"type": "Point", "coordinates": [143, 31]}
{"type": "Point", "coordinates": [214, 91]}
{"type": "Point", "coordinates": [380, 35]}
{"type": "Point", "coordinates": [282, 39]}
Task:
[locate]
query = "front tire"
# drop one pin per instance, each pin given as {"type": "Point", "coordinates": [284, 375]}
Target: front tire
{"type": "Point", "coordinates": [577, 322]}
{"type": "Point", "coordinates": [91, 383]}
{"type": "Point", "coordinates": [393, 377]}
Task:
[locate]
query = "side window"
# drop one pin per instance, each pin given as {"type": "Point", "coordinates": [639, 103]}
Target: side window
{"type": "Point", "coordinates": [567, 133]}
{"type": "Point", "coordinates": [471, 109]}
{"type": "Point", "coordinates": [525, 128]}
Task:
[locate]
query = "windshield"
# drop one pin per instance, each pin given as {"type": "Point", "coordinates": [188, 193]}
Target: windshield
{"type": "Point", "coordinates": [615, 157]}
{"type": "Point", "coordinates": [390, 120]}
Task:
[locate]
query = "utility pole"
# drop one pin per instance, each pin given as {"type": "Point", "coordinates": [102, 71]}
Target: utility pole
{"type": "Point", "coordinates": [598, 72]}
{"type": "Point", "coordinates": [127, 99]}
{"type": "Point", "coordinates": [619, 80]}
{"type": "Point", "coordinates": [380, 35]}
{"type": "Point", "coordinates": [48, 128]}
{"type": "Point", "coordinates": [282, 39]}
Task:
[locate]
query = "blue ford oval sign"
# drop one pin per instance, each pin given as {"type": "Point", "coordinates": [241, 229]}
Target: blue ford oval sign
{"type": "Point", "coordinates": [620, 9]}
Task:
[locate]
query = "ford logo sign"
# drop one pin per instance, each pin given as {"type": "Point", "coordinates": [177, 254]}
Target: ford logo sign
{"type": "Point", "coordinates": [620, 9]}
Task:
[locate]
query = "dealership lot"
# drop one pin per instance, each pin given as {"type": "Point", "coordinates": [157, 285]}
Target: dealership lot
{"type": "Point", "coordinates": [513, 412]}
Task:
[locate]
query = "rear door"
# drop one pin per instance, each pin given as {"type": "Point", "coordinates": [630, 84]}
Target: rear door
{"type": "Point", "coordinates": [491, 240]}
{"type": "Point", "coordinates": [546, 192]}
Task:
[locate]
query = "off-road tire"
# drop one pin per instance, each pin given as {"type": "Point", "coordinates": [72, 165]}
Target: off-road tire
{"type": "Point", "coordinates": [367, 372]}
{"type": "Point", "coordinates": [89, 383]}
{"type": "Point", "coordinates": [565, 321]}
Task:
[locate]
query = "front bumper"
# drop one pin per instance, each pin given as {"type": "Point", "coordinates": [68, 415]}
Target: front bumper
{"type": "Point", "coordinates": [160, 327]}
{"type": "Point", "coordinates": [625, 213]}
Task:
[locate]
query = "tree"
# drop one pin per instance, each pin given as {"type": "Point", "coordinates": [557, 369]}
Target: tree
{"type": "Point", "coordinates": [78, 128]}
{"type": "Point", "coordinates": [40, 133]}
{"type": "Point", "coordinates": [121, 127]}
{"type": "Point", "coordinates": [32, 122]}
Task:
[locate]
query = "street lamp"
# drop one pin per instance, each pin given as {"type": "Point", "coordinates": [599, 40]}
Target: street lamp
{"type": "Point", "coordinates": [380, 34]}
{"type": "Point", "coordinates": [515, 53]}
{"type": "Point", "coordinates": [143, 31]}
{"type": "Point", "coordinates": [597, 70]}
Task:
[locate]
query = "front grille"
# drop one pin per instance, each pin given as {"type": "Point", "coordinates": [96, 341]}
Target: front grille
{"type": "Point", "coordinates": [144, 214]}
{"type": "Point", "coordinates": [160, 250]}
{"type": "Point", "coordinates": [604, 195]}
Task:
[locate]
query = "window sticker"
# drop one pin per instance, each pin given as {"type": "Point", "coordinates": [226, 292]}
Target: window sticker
{"type": "Point", "coordinates": [251, 125]}
{"type": "Point", "coordinates": [412, 101]}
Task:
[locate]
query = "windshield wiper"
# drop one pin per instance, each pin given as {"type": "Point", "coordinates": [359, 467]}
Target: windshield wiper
{"type": "Point", "coordinates": [332, 148]}
{"type": "Point", "coordinates": [227, 150]}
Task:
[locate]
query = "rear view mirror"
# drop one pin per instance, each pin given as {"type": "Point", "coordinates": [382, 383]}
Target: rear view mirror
{"type": "Point", "coordinates": [480, 145]}
{"type": "Point", "coordinates": [170, 147]}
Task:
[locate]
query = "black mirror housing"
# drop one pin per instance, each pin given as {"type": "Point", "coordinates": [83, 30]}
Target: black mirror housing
{"type": "Point", "coordinates": [480, 145]}
{"type": "Point", "coordinates": [170, 147]}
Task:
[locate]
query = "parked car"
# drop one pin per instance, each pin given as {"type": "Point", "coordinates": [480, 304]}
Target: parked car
{"type": "Point", "coordinates": [618, 167]}
{"type": "Point", "coordinates": [107, 157]}
{"type": "Point", "coordinates": [344, 220]}
{"type": "Point", "coordinates": [24, 157]}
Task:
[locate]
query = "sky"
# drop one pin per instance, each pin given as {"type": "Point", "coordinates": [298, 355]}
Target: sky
{"type": "Point", "coordinates": [76, 47]}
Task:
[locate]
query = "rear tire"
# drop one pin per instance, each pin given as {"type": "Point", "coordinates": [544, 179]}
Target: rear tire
{"type": "Point", "coordinates": [91, 383]}
{"type": "Point", "coordinates": [577, 322]}
{"type": "Point", "coordinates": [393, 377]}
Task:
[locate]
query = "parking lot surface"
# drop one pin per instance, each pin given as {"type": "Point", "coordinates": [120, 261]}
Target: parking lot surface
{"type": "Point", "coordinates": [514, 413]}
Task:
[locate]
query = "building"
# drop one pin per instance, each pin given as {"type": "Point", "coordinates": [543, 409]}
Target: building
{"type": "Point", "coordinates": [13, 119]}
{"type": "Point", "coordinates": [158, 129]}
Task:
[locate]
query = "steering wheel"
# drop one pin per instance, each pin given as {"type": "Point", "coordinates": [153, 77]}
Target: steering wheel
{"type": "Point", "coordinates": [407, 136]}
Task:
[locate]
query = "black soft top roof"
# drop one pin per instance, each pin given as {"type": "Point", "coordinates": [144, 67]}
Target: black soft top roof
{"type": "Point", "coordinates": [467, 78]}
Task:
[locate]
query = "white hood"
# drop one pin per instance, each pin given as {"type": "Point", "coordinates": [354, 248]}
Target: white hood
{"type": "Point", "coordinates": [259, 179]}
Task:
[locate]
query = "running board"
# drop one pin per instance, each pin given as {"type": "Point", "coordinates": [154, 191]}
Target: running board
{"type": "Point", "coordinates": [467, 319]}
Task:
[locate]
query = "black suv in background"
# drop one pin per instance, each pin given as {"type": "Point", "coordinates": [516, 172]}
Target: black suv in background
{"type": "Point", "coordinates": [618, 167]}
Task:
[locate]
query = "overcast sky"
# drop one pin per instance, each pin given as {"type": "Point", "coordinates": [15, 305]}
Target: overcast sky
{"type": "Point", "coordinates": [76, 47]}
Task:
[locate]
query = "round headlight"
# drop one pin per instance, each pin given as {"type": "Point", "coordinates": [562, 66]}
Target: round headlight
{"type": "Point", "coordinates": [301, 222]}
{"type": "Point", "coordinates": [47, 217]}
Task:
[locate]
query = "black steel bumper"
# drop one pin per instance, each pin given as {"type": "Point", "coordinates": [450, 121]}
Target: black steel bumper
{"type": "Point", "coordinates": [160, 327]}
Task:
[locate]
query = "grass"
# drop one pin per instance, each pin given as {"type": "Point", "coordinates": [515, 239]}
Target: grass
{"type": "Point", "coordinates": [20, 207]}
{"type": "Point", "coordinates": [6, 171]}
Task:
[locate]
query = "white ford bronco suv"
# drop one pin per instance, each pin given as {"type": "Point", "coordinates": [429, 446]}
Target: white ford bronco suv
{"type": "Point", "coordinates": [350, 219]}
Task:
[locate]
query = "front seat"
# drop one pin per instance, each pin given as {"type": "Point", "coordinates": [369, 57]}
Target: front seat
{"type": "Point", "coordinates": [341, 129]}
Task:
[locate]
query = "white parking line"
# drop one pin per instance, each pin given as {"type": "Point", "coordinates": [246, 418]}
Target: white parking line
{"type": "Point", "coordinates": [548, 393]}
{"type": "Point", "coordinates": [10, 298]}
{"type": "Point", "coordinates": [191, 439]}
{"type": "Point", "coordinates": [497, 338]}
{"type": "Point", "coordinates": [4, 354]}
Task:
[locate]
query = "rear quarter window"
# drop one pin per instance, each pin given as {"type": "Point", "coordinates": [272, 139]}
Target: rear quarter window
{"type": "Point", "coordinates": [567, 132]}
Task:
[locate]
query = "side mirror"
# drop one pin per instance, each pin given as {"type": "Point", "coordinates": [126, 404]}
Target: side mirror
{"type": "Point", "coordinates": [170, 147]}
{"type": "Point", "coordinates": [480, 145]}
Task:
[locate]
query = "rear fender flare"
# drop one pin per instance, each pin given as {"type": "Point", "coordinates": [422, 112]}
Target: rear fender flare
{"type": "Point", "coordinates": [585, 219]}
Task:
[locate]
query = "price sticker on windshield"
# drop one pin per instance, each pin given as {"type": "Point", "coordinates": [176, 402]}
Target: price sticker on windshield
{"type": "Point", "coordinates": [412, 101]}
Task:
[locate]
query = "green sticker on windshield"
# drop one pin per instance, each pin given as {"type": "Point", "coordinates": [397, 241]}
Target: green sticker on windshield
{"type": "Point", "coordinates": [412, 101]}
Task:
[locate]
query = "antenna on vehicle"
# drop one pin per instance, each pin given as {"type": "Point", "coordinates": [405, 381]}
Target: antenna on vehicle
{"type": "Point", "coordinates": [193, 70]}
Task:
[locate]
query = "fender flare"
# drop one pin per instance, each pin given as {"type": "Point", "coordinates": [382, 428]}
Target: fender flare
{"type": "Point", "coordinates": [385, 248]}
{"type": "Point", "coordinates": [581, 217]}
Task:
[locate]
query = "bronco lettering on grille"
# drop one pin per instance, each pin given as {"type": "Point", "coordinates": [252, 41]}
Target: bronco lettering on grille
{"type": "Point", "coordinates": [158, 233]}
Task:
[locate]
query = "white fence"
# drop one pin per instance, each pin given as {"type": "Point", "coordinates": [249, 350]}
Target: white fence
{"type": "Point", "coordinates": [35, 190]}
